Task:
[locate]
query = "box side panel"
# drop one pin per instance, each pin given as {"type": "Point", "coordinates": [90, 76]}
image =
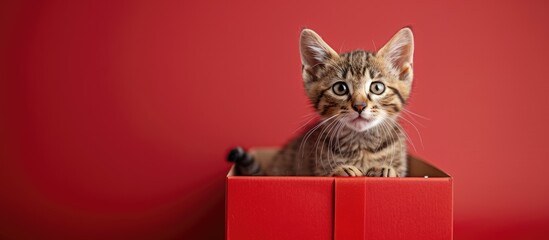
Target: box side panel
{"type": "Point", "coordinates": [279, 208]}
{"type": "Point", "coordinates": [413, 209]}
{"type": "Point", "coordinates": [227, 206]}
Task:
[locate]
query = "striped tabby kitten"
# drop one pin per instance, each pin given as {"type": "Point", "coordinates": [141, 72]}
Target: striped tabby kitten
{"type": "Point", "coordinates": [359, 96]}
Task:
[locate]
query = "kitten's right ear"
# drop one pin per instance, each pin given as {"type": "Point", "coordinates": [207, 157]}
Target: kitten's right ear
{"type": "Point", "coordinates": [398, 53]}
{"type": "Point", "coordinates": [314, 50]}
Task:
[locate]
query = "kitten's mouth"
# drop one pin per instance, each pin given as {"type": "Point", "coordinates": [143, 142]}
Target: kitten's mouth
{"type": "Point", "coordinates": [360, 123]}
{"type": "Point", "coordinates": [360, 119]}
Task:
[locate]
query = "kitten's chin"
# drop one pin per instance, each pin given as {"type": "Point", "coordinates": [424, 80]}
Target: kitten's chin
{"type": "Point", "coordinates": [361, 124]}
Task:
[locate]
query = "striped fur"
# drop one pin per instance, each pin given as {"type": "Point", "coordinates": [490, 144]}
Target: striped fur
{"type": "Point", "coordinates": [358, 134]}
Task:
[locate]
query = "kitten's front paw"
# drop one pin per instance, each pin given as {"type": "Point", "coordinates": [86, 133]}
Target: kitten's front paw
{"type": "Point", "coordinates": [347, 171]}
{"type": "Point", "coordinates": [381, 172]}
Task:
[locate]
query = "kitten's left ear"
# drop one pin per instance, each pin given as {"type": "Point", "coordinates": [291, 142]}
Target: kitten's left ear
{"type": "Point", "coordinates": [399, 54]}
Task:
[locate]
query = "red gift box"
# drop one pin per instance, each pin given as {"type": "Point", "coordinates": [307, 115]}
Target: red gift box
{"type": "Point", "coordinates": [288, 207]}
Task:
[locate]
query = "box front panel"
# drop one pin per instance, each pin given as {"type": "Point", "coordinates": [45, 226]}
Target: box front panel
{"type": "Point", "coordinates": [279, 208]}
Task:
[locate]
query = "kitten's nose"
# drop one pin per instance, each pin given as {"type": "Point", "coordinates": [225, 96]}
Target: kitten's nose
{"type": "Point", "coordinates": [359, 106]}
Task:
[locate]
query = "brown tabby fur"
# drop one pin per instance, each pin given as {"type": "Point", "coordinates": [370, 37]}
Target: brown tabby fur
{"type": "Point", "coordinates": [334, 147]}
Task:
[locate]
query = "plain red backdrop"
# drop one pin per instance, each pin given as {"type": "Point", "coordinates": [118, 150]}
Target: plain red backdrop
{"type": "Point", "coordinates": [115, 116]}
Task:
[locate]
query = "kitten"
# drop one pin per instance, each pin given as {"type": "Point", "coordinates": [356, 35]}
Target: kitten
{"type": "Point", "coordinates": [359, 96]}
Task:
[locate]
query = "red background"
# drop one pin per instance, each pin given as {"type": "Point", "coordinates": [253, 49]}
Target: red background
{"type": "Point", "coordinates": [115, 116]}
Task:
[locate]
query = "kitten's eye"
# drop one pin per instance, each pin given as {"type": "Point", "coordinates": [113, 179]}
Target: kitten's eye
{"type": "Point", "coordinates": [340, 88]}
{"type": "Point", "coordinates": [377, 88]}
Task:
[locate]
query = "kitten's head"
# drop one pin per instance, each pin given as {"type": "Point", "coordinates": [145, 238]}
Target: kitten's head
{"type": "Point", "coordinates": [359, 88]}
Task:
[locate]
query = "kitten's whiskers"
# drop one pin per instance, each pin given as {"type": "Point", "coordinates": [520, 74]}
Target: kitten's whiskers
{"type": "Point", "coordinates": [319, 139]}
{"type": "Point", "coordinates": [308, 134]}
{"type": "Point", "coordinates": [417, 130]}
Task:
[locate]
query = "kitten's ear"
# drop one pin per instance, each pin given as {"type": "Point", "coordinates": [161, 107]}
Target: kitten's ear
{"type": "Point", "coordinates": [314, 50]}
{"type": "Point", "coordinates": [399, 54]}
